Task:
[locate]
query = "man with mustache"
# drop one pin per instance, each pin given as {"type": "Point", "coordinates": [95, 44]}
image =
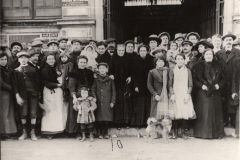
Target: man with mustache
{"type": "Point", "coordinates": [16, 47]}
{"type": "Point", "coordinates": [187, 51]}
{"type": "Point", "coordinates": [37, 45]}
{"type": "Point", "coordinates": [227, 56]}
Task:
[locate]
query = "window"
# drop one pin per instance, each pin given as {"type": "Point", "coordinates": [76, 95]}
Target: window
{"type": "Point", "coordinates": [16, 3]}
{"type": "Point", "coordinates": [48, 3]}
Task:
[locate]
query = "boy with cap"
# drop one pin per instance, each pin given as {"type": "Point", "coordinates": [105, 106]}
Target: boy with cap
{"type": "Point", "coordinates": [26, 88]}
{"type": "Point", "coordinates": [103, 89]}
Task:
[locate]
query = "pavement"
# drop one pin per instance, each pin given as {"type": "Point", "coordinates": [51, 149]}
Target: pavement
{"type": "Point", "coordinates": [132, 148]}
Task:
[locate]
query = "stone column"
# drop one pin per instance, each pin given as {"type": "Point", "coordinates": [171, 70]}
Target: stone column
{"type": "Point", "coordinates": [99, 19]}
{"type": "Point", "coordinates": [228, 16]}
{"type": "Point", "coordinates": [236, 18]}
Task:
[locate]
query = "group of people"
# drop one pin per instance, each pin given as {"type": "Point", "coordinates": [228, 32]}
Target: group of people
{"type": "Point", "coordinates": [90, 87]}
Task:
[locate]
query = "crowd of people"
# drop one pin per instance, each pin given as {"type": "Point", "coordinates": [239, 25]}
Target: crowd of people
{"type": "Point", "coordinates": [91, 86]}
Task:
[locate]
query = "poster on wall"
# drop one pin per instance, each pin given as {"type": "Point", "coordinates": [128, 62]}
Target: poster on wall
{"type": "Point", "coordinates": [80, 33]}
{"type": "Point", "coordinates": [25, 40]}
{"type": "Point", "coordinates": [74, 2]}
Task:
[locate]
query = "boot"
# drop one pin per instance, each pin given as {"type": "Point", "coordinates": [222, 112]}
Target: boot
{"type": "Point", "coordinates": [83, 137]}
{"type": "Point", "coordinates": [175, 134]}
{"type": "Point", "coordinates": [24, 135]}
{"type": "Point", "coordinates": [91, 136]}
{"type": "Point", "coordinates": [33, 135]}
{"type": "Point", "coordinates": [184, 136]}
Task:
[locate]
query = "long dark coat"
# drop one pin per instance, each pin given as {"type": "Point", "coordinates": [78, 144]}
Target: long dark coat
{"type": "Point", "coordinates": [77, 78]}
{"type": "Point", "coordinates": [208, 107]}
{"type": "Point", "coordinates": [142, 99]}
{"type": "Point", "coordinates": [228, 62]}
{"type": "Point", "coordinates": [74, 56]}
{"type": "Point", "coordinates": [121, 71]}
{"type": "Point", "coordinates": [103, 89]}
{"type": "Point", "coordinates": [155, 86]}
{"type": "Point", "coordinates": [7, 119]}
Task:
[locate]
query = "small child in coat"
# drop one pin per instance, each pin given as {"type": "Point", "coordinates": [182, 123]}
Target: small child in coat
{"type": "Point", "coordinates": [85, 106]}
{"type": "Point", "coordinates": [103, 90]}
{"type": "Point", "coordinates": [171, 54]}
{"type": "Point", "coordinates": [26, 89]}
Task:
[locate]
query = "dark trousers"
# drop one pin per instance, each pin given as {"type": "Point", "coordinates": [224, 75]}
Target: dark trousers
{"type": "Point", "coordinates": [87, 127]}
{"type": "Point", "coordinates": [103, 128]}
{"type": "Point", "coordinates": [29, 107]}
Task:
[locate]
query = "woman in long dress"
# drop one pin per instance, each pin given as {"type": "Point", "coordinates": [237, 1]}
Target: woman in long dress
{"type": "Point", "coordinates": [7, 119]}
{"type": "Point", "coordinates": [208, 78]}
{"type": "Point", "coordinates": [180, 87]}
{"type": "Point", "coordinates": [55, 114]}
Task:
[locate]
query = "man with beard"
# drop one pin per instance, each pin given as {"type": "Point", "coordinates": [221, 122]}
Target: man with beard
{"type": "Point", "coordinates": [165, 37]}
{"type": "Point", "coordinates": [77, 47]}
{"type": "Point", "coordinates": [187, 51]}
{"type": "Point", "coordinates": [62, 44]}
{"type": "Point", "coordinates": [111, 42]}
{"type": "Point", "coordinates": [33, 59]}
{"type": "Point", "coordinates": [16, 47]}
{"type": "Point", "coordinates": [227, 56]}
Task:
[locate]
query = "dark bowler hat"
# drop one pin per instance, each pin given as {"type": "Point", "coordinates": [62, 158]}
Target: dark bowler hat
{"type": "Point", "coordinates": [129, 41]}
{"type": "Point", "coordinates": [62, 38]}
{"type": "Point", "coordinates": [204, 42]}
{"type": "Point", "coordinates": [138, 40]}
{"type": "Point", "coordinates": [164, 34]}
{"type": "Point", "coordinates": [153, 37]}
{"type": "Point", "coordinates": [179, 35]}
{"type": "Point", "coordinates": [76, 40]}
{"type": "Point", "coordinates": [159, 49]}
{"type": "Point", "coordinates": [193, 33]}
{"type": "Point", "coordinates": [187, 42]}
{"type": "Point", "coordinates": [102, 64]}
{"type": "Point", "coordinates": [32, 52]}
{"type": "Point", "coordinates": [16, 44]}
{"type": "Point", "coordinates": [229, 35]}
{"type": "Point", "coordinates": [55, 42]}
{"type": "Point", "coordinates": [36, 43]}
{"type": "Point", "coordinates": [20, 54]}
{"type": "Point", "coordinates": [110, 40]}
{"type": "Point", "coordinates": [236, 42]}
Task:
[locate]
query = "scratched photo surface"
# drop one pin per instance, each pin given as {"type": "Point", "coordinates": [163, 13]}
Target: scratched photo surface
{"type": "Point", "coordinates": [119, 79]}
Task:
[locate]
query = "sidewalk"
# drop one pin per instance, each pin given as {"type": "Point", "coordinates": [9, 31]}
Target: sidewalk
{"type": "Point", "coordinates": [133, 148]}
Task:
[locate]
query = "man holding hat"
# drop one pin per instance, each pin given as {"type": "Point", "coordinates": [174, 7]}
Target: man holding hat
{"type": "Point", "coordinates": [153, 41]}
{"type": "Point", "coordinates": [26, 89]}
{"type": "Point", "coordinates": [77, 48]}
{"type": "Point", "coordinates": [62, 44]}
{"type": "Point", "coordinates": [227, 56]}
{"type": "Point", "coordinates": [179, 38]}
{"type": "Point", "coordinates": [16, 47]}
{"type": "Point", "coordinates": [187, 51]}
{"type": "Point", "coordinates": [165, 37]}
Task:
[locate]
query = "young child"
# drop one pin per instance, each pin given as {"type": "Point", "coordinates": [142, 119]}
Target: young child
{"type": "Point", "coordinates": [171, 54]}
{"type": "Point", "coordinates": [91, 54]}
{"type": "Point", "coordinates": [85, 107]}
{"type": "Point", "coordinates": [26, 89]}
{"type": "Point", "coordinates": [103, 90]}
{"type": "Point", "coordinates": [64, 68]}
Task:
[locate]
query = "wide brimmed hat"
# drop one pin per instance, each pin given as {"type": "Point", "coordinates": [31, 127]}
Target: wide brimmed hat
{"type": "Point", "coordinates": [187, 42]}
{"type": "Point", "coordinates": [153, 37]}
{"type": "Point", "coordinates": [229, 35]}
{"type": "Point", "coordinates": [76, 40]}
{"type": "Point", "coordinates": [164, 34]}
{"type": "Point", "coordinates": [179, 35]}
{"type": "Point", "coordinates": [55, 42]}
{"type": "Point", "coordinates": [138, 40]}
{"type": "Point", "coordinates": [16, 44]}
{"type": "Point", "coordinates": [62, 38]}
{"type": "Point", "coordinates": [102, 64]}
{"type": "Point", "coordinates": [36, 43]}
{"type": "Point", "coordinates": [129, 41]}
{"type": "Point", "coordinates": [204, 42]}
{"type": "Point", "coordinates": [236, 42]}
{"type": "Point", "coordinates": [193, 33]}
{"type": "Point", "coordinates": [20, 54]}
{"type": "Point", "coordinates": [110, 40]}
{"type": "Point", "coordinates": [159, 49]}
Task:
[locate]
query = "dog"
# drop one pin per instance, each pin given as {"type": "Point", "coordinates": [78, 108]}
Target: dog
{"type": "Point", "coordinates": [160, 127]}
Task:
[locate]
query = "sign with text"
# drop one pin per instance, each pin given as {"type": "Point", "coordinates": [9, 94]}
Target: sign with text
{"type": "Point", "coordinates": [74, 2]}
{"type": "Point", "coordinates": [23, 39]}
{"type": "Point", "coordinates": [83, 33]}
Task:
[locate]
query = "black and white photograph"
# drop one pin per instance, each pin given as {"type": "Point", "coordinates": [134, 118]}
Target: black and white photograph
{"type": "Point", "coordinates": [119, 79]}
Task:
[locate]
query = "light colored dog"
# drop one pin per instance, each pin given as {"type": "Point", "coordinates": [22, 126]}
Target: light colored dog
{"type": "Point", "coordinates": [160, 127]}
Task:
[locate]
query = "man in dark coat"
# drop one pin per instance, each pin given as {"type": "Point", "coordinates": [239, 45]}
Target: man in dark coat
{"type": "Point", "coordinates": [187, 51]}
{"type": "Point", "coordinates": [101, 50]}
{"type": "Point", "coordinates": [16, 47]}
{"type": "Point", "coordinates": [227, 56]}
{"type": "Point", "coordinates": [77, 47]}
{"type": "Point", "coordinates": [37, 47]}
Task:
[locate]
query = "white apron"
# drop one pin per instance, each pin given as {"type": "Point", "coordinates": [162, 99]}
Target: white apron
{"type": "Point", "coordinates": [55, 113]}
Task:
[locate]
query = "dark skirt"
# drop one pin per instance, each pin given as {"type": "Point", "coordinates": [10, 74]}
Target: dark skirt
{"type": "Point", "coordinates": [8, 125]}
{"type": "Point", "coordinates": [72, 126]}
{"type": "Point", "coordinates": [141, 109]}
{"type": "Point", "coordinates": [209, 122]}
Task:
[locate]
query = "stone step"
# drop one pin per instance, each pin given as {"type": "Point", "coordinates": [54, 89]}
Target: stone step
{"type": "Point", "coordinates": [135, 131]}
